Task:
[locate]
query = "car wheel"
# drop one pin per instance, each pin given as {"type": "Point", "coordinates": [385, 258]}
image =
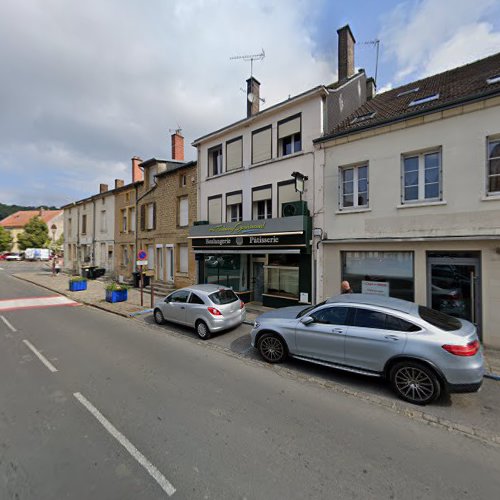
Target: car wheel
{"type": "Point", "coordinates": [414, 382]}
{"type": "Point", "coordinates": [272, 348]}
{"type": "Point", "coordinates": [158, 316]}
{"type": "Point", "coordinates": [202, 330]}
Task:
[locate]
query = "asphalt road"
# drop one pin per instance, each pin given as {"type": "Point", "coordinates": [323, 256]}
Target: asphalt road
{"type": "Point", "coordinates": [133, 412]}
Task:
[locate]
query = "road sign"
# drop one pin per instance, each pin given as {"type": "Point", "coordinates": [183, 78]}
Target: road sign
{"type": "Point", "coordinates": [142, 255]}
{"type": "Point", "coordinates": [142, 262]}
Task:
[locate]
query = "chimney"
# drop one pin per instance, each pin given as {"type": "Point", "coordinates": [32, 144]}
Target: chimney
{"type": "Point", "coordinates": [371, 88]}
{"type": "Point", "coordinates": [119, 183]}
{"type": "Point", "coordinates": [346, 52]}
{"type": "Point", "coordinates": [253, 94]}
{"type": "Point", "coordinates": [40, 212]}
{"type": "Point", "coordinates": [103, 188]}
{"type": "Point", "coordinates": [177, 146]}
{"type": "Point", "coordinates": [137, 173]}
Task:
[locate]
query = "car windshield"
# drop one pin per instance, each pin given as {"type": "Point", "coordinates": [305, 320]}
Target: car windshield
{"type": "Point", "coordinates": [222, 297]}
{"type": "Point", "coordinates": [309, 309]}
{"type": "Point", "coordinates": [439, 319]}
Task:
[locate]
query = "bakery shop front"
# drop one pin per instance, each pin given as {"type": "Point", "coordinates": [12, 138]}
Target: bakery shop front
{"type": "Point", "coordinates": [263, 260]}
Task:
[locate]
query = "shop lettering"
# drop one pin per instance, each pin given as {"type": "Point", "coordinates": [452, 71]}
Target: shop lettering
{"type": "Point", "coordinates": [238, 228]}
{"type": "Point", "coordinates": [259, 240]}
{"type": "Point", "coordinates": [213, 241]}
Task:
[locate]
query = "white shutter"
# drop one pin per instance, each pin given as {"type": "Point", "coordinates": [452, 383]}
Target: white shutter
{"type": "Point", "coordinates": [234, 199]}
{"type": "Point", "coordinates": [234, 152]}
{"type": "Point", "coordinates": [261, 145]}
{"type": "Point", "coordinates": [183, 258]}
{"type": "Point", "coordinates": [287, 193]}
{"type": "Point", "coordinates": [262, 194]}
{"type": "Point", "coordinates": [289, 127]}
{"type": "Point", "coordinates": [215, 210]}
{"type": "Point", "coordinates": [183, 212]}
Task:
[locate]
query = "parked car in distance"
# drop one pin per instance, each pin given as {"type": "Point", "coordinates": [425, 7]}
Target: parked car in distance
{"type": "Point", "coordinates": [13, 256]}
{"type": "Point", "coordinates": [422, 352]}
{"type": "Point", "coordinates": [206, 308]}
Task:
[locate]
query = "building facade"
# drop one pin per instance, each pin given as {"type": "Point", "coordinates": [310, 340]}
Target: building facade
{"type": "Point", "coordinates": [412, 193]}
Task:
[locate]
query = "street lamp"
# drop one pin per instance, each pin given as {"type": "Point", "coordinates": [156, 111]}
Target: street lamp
{"type": "Point", "coordinates": [299, 182]}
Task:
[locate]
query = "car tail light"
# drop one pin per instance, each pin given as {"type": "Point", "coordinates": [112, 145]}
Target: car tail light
{"type": "Point", "coordinates": [463, 350]}
{"type": "Point", "coordinates": [242, 304]}
{"type": "Point", "coordinates": [214, 312]}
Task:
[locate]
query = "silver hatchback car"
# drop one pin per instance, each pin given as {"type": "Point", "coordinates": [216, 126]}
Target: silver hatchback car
{"type": "Point", "coordinates": [207, 308]}
{"type": "Point", "coordinates": [422, 352]}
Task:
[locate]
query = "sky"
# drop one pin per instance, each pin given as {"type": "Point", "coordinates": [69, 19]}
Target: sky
{"type": "Point", "coordinates": [85, 86]}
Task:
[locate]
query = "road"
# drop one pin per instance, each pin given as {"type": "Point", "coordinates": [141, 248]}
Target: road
{"type": "Point", "coordinates": [133, 412]}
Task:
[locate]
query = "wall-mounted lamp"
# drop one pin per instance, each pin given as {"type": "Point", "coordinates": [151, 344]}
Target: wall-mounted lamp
{"type": "Point", "coordinates": [299, 182]}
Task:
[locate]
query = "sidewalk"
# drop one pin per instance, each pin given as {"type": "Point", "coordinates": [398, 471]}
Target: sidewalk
{"type": "Point", "coordinates": [95, 296]}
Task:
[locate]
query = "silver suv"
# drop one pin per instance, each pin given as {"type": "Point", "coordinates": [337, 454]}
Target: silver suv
{"type": "Point", "coordinates": [422, 352]}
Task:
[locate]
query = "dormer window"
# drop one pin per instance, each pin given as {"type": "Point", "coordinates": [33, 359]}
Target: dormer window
{"type": "Point", "coordinates": [410, 91]}
{"type": "Point", "coordinates": [493, 79]}
{"type": "Point", "coordinates": [423, 100]}
{"type": "Point", "coordinates": [363, 118]}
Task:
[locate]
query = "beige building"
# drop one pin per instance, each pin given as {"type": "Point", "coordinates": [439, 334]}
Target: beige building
{"type": "Point", "coordinates": [166, 207]}
{"type": "Point", "coordinates": [412, 196]}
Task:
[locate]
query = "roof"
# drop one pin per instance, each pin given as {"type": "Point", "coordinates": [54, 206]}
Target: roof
{"type": "Point", "coordinates": [453, 87]}
{"type": "Point", "coordinates": [21, 218]}
{"type": "Point", "coordinates": [174, 168]}
{"type": "Point", "coordinates": [375, 300]}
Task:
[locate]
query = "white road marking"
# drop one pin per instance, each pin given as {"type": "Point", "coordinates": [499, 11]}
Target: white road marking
{"type": "Point", "coordinates": [150, 468]}
{"type": "Point", "coordinates": [40, 356]}
{"type": "Point", "coordinates": [5, 320]}
{"type": "Point", "coordinates": [36, 302]}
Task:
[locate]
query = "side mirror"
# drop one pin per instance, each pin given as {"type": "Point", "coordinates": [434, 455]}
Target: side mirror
{"type": "Point", "coordinates": [307, 320]}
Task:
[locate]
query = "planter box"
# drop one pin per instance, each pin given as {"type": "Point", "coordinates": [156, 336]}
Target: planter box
{"type": "Point", "coordinates": [77, 286]}
{"type": "Point", "coordinates": [116, 295]}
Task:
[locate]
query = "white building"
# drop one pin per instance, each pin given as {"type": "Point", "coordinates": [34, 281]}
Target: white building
{"type": "Point", "coordinates": [258, 232]}
{"type": "Point", "coordinates": [412, 196]}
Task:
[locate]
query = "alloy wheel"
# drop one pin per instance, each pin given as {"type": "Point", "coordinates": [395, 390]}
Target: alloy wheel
{"type": "Point", "coordinates": [272, 348]}
{"type": "Point", "coordinates": [414, 384]}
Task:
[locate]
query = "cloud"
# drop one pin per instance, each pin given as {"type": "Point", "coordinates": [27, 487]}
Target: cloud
{"type": "Point", "coordinates": [91, 84]}
{"type": "Point", "coordinates": [425, 36]}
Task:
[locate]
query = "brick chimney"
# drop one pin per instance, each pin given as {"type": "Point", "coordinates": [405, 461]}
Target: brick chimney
{"type": "Point", "coordinates": [137, 173]}
{"type": "Point", "coordinates": [103, 188]}
{"type": "Point", "coordinates": [371, 88]}
{"type": "Point", "coordinates": [119, 183]}
{"type": "Point", "coordinates": [346, 52]}
{"type": "Point", "coordinates": [253, 94]}
{"type": "Point", "coordinates": [177, 146]}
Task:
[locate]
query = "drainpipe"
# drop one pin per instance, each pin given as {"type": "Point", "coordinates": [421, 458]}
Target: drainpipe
{"type": "Point", "coordinates": [137, 200]}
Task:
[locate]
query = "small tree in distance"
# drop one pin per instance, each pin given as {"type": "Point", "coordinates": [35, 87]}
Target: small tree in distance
{"type": "Point", "coordinates": [35, 235]}
{"type": "Point", "coordinates": [5, 240]}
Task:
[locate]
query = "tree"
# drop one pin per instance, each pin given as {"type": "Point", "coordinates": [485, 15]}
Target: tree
{"type": "Point", "coordinates": [5, 240]}
{"type": "Point", "coordinates": [57, 246]}
{"type": "Point", "coordinates": [35, 234]}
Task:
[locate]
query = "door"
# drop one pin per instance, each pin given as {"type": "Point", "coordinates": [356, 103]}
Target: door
{"type": "Point", "coordinates": [174, 307]}
{"type": "Point", "coordinates": [371, 340]}
{"type": "Point", "coordinates": [159, 263]}
{"type": "Point", "coordinates": [324, 338]}
{"type": "Point", "coordinates": [151, 257]}
{"type": "Point", "coordinates": [454, 287]}
{"type": "Point", "coordinates": [169, 263]}
{"type": "Point", "coordinates": [258, 281]}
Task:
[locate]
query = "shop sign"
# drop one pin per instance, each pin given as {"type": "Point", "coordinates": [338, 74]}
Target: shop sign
{"type": "Point", "coordinates": [375, 288]}
{"type": "Point", "coordinates": [274, 240]}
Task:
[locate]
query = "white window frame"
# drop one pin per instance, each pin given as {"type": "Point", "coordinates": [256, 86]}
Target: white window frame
{"type": "Point", "coordinates": [421, 176]}
{"type": "Point", "coordinates": [292, 137]}
{"type": "Point", "coordinates": [488, 167]}
{"type": "Point", "coordinates": [355, 188]}
{"type": "Point", "coordinates": [183, 211]}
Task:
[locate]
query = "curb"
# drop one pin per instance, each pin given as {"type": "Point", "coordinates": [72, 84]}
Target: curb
{"type": "Point", "coordinates": [483, 436]}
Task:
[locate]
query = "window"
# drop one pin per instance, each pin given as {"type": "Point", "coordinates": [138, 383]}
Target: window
{"type": "Point", "coordinates": [70, 229]}
{"type": "Point", "coordinates": [84, 223]}
{"type": "Point", "coordinates": [399, 325]}
{"type": "Point", "coordinates": [262, 202]}
{"type": "Point", "coordinates": [183, 211]}
{"type": "Point", "coordinates": [127, 197]}
{"type": "Point", "coordinates": [286, 194]}
{"type": "Point", "coordinates": [215, 209]}
{"type": "Point", "coordinates": [151, 216]}
{"type": "Point", "coordinates": [223, 297]}
{"type": "Point", "coordinates": [289, 136]}
{"type": "Point", "coordinates": [215, 161]}
{"type": "Point", "coordinates": [234, 154]}
{"type": "Point", "coordinates": [331, 315]}
{"type": "Point", "coordinates": [124, 255]}
{"type": "Point", "coordinates": [365, 318]}
{"type": "Point", "coordinates": [234, 206]}
{"type": "Point", "coordinates": [183, 180]}
{"type": "Point", "coordinates": [439, 319]}
{"type": "Point", "coordinates": [494, 166]}
{"type": "Point", "coordinates": [132, 219]}
{"type": "Point", "coordinates": [262, 144]}
{"type": "Point", "coordinates": [183, 258]}
{"type": "Point", "coordinates": [354, 187]}
{"type": "Point", "coordinates": [180, 296]}
{"type": "Point", "coordinates": [493, 79]}
{"type": "Point", "coordinates": [103, 221]}
{"type": "Point", "coordinates": [194, 299]}
{"type": "Point", "coordinates": [422, 177]}
{"type": "Point", "coordinates": [151, 176]}
{"type": "Point", "coordinates": [363, 118]}
{"type": "Point", "coordinates": [423, 100]}
{"type": "Point", "coordinates": [124, 220]}
{"type": "Point", "coordinates": [411, 91]}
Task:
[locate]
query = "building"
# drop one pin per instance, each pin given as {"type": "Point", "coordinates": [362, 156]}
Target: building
{"type": "Point", "coordinates": [412, 196]}
{"type": "Point", "coordinates": [15, 223]}
{"type": "Point", "coordinates": [166, 207]}
{"type": "Point", "coordinates": [257, 179]}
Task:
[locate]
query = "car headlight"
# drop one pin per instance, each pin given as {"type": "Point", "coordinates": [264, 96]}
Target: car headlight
{"type": "Point", "coordinates": [256, 324]}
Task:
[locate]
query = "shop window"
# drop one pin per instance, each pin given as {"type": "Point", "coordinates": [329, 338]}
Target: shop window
{"type": "Point", "coordinates": [227, 270]}
{"type": "Point", "coordinates": [289, 136]}
{"type": "Point", "coordinates": [281, 276]}
{"type": "Point", "coordinates": [215, 160]}
{"type": "Point", "coordinates": [380, 273]}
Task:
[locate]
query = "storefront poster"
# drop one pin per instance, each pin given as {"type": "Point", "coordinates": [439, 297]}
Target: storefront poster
{"type": "Point", "coordinates": [375, 288]}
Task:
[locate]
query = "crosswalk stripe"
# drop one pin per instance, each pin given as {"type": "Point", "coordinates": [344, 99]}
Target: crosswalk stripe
{"type": "Point", "coordinates": [36, 302]}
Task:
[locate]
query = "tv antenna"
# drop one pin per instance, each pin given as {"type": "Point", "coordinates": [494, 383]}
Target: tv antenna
{"type": "Point", "coordinates": [374, 43]}
{"type": "Point", "coordinates": [177, 130]}
{"type": "Point", "coordinates": [251, 58]}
